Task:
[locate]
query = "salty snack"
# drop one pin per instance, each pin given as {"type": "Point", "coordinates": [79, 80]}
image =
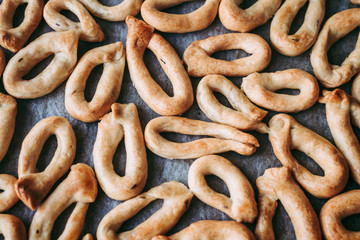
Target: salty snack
{"type": "Point", "coordinates": [278, 184]}
{"type": "Point", "coordinates": [211, 230]}
{"type": "Point", "coordinates": [176, 198]}
{"type": "Point", "coordinates": [225, 139]}
{"type": "Point", "coordinates": [241, 206]}
{"type": "Point", "coordinates": [178, 23]}
{"type": "Point", "coordinates": [8, 110]}
{"type": "Point", "coordinates": [335, 210]}
{"type": "Point", "coordinates": [336, 27]}
{"type": "Point", "coordinates": [78, 187]}
{"type": "Point", "coordinates": [112, 57]}
{"type": "Point", "coordinates": [12, 228]}
{"type": "Point", "coordinates": [260, 89]}
{"type": "Point", "coordinates": [113, 13]}
{"type": "Point", "coordinates": [8, 195]}
{"type": "Point", "coordinates": [122, 122]}
{"type": "Point", "coordinates": [33, 186]}
{"type": "Point", "coordinates": [2, 61]}
{"type": "Point", "coordinates": [197, 55]}
{"type": "Point", "coordinates": [286, 134]}
{"type": "Point", "coordinates": [305, 36]}
{"type": "Point", "coordinates": [246, 115]}
{"type": "Point", "coordinates": [142, 36]}
{"type": "Point", "coordinates": [355, 1]}
{"type": "Point", "coordinates": [355, 89]}
{"type": "Point", "coordinates": [87, 28]}
{"type": "Point", "coordinates": [63, 45]}
{"type": "Point", "coordinates": [12, 38]}
{"type": "Point", "coordinates": [236, 19]}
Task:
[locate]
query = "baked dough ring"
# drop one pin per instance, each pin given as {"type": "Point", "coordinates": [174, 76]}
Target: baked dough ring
{"type": "Point", "coordinates": [8, 110]}
{"type": "Point", "coordinates": [355, 1]}
{"type": "Point", "coordinates": [197, 55]}
{"type": "Point", "coordinates": [287, 134]}
{"type": "Point", "coordinates": [87, 28]}
{"type": "Point", "coordinates": [178, 23]}
{"type": "Point", "coordinates": [226, 138]}
{"type": "Point", "coordinates": [8, 196]}
{"type": "Point", "coordinates": [32, 187]}
{"type": "Point", "coordinates": [78, 187]}
{"type": "Point", "coordinates": [12, 38]}
{"type": "Point", "coordinates": [211, 230]}
{"type": "Point", "coordinates": [241, 206]}
{"type": "Point", "coordinates": [278, 184]}
{"type": "Point", "coordinates": [123, 120]}
{"type": "Point", "coordinates": [335, 210]}
{"type": "Point", "coordinates": [113, 13]}
{"type": "Point", "coordinates": [355, 89]}
{"type": "Point", "coordinates": [246, 116]}
{"type": "Point", "coordinates": [141, 36]}
{"type": "Point", "coordinates": [112, 56]}
{"type": "Point", "coordinates": [336, 27]}
{"type": "Point", "coordinates": [304, 38]}
{"type": "Point", "coordinates": [176, 198]}
{"type": "Point", "coordinates": [12, 228]}
{"type": "Point", "coordinates": [260, 89]}
{"type": "Point", "coordinates": [64, 47]}
{"type": "Point", "coordinates": [236, 19]}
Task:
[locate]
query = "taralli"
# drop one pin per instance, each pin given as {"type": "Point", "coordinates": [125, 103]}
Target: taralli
{"type": "Point", "coordinates": [261, 89]}
{"type": "Point", "coordinates": [113, 13]}
{"type": "Point", "coordinates": [63, 45]}
{"type": "Point", "coordinates": [226, 138]}
{"type": "Point", "coordinates": [112, 56]}
{"type": "Point", "coordinates": [141, 36]}
{"type": "Point", "coordinates": [32, 186]}
{"type": "Point", "coordinates": [355, 89]}
{"type": "Point", "coordinates": [12, 38]}
{"type": "Point", "coordinates": [178, 23]}
{"type": "Point", "coordinates": [79, 187]}
{"type": "Point", "coordinates": [199, 62]}
{"type": "Point", "coordinates": [278, 184]}
{"type": "Point", "coordinates": [87, 28]}
{"type": "Point", "coordinates": [8, 110]}
{"type": "Point", "coordinates": [12, 228]}
{"type": "Point", "coordinates": [8, 196]}
{"type": "Point", "coordinates": [88, 237]}
{"type": "Point", "coordinates": [236, 19]}
{"type": "Point", "coordinates": [355, 2]}
{"type": "Point", "coordinates": [122, 122]}
{"type": "Point", "coordinates": [304, 38]}
{"type": "Point", "coordinates": [241, 206]}
{"type": "Point", "coordinates": [211, 230]}
{"type": "Point", "coordinates": [246, 115]}
{"type": "Point", "coordinates": [336, 27]}
{"type": "Point", "coordinates": [2, 61]}
{"type": "Point", "coordinates": [286, 134]}
{"type": "Point", "coordinates": [176, 201]}
{"type": "Point", "coordinates": [335, 210]}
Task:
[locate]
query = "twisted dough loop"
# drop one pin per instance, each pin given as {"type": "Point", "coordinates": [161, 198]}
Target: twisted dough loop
{"type": "Point", "coordinates": [123, 120]}
{"type": "Point", "coordinates": [277, 184]}
{"type": "Point", "coordinates": [112, 56]}
{"type": "Point", "coordinates": [176, 201]}
{"type": "Point", "coordinates": [197, 55]}
{"type": "Point", "coordinates": [141, 36]}
{"type": "Point", "coordinates": [8, 110]}
{"type": "Point", "coordinates": [12, 227]}
{"type": "Point", "coordinates": [32, 186]}
{"type": "Point", "coordinates": [8, 196]}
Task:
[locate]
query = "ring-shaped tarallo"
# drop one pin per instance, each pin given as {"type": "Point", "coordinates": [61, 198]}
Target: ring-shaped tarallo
{"type": "Point", "coordinates": [261, 89]}
{"type": "Point", "coordinates": [33, 186]}
{"type": "Point", "coordinates": [140, 37]}
{"type": "Point", "coordinates": [197, 56]}
{"type": "Point", "coordinates": [286, 134]}
{"type": "Point", "coordinates": [113, 13]}
{"type": "Point", "coordinates": [8, 110]}
{"type": "Point", "coordinates": [178, 23]}
{"type": "Point", "coordinates": [355, 89]}
{"type": "Point", "coordinates": [211, 230]}
{"type": "Point", "coordinates": [12, 38]}
{"type": "Point", "coordinates": [305, 36]}
{"type": "Point", "coordinates": [63, 45]}
{"type": "Point", "coordinates": [225, 139]}
{"type": "Point", "coordinates": [2, 61]}
{"type": "Point", "coordinates": [355, 2]}
{"type": "Point", "coordinates": [336, 27]}
{"type": "Point", "coordinates": [78, 187]}
{"type": "Point", "coordinates": [241, 206]}
{"type": "Point", "coordinates": [236, 19]}
{"type": "Point", "coordinates": [278, 184]}
{"type": "Point", "coordinates": [335, 210]}
{"type": "Point", "coordinates": [122, 122]}
{"type": "Point", "coordinates": [246, 115]}
{"type": "Point", "coordinates": [12, 228]}
{"type": "Point", "coordinates": [112, 57]}
{"type": "Point", "coordinates": [87, 28]}
{"type": "Point", "coordinates": [176, 200]}
{"type": "Point", "coordinates": [8, 196]}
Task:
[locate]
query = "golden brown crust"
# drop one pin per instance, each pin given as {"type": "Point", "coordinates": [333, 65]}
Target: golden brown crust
{"type": "Point", "coordinates": [355, 89]}
{"type": "Point", "coordinates": [12, 227]}
{"type": "Point", "coordinates": [8, 196]}
{"type": "Point", "coordinates": [8, 110]}
{"type": "Point", "coordinates": [2, 61]}
{"type": "Point", "coordinates": [355, 1]}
